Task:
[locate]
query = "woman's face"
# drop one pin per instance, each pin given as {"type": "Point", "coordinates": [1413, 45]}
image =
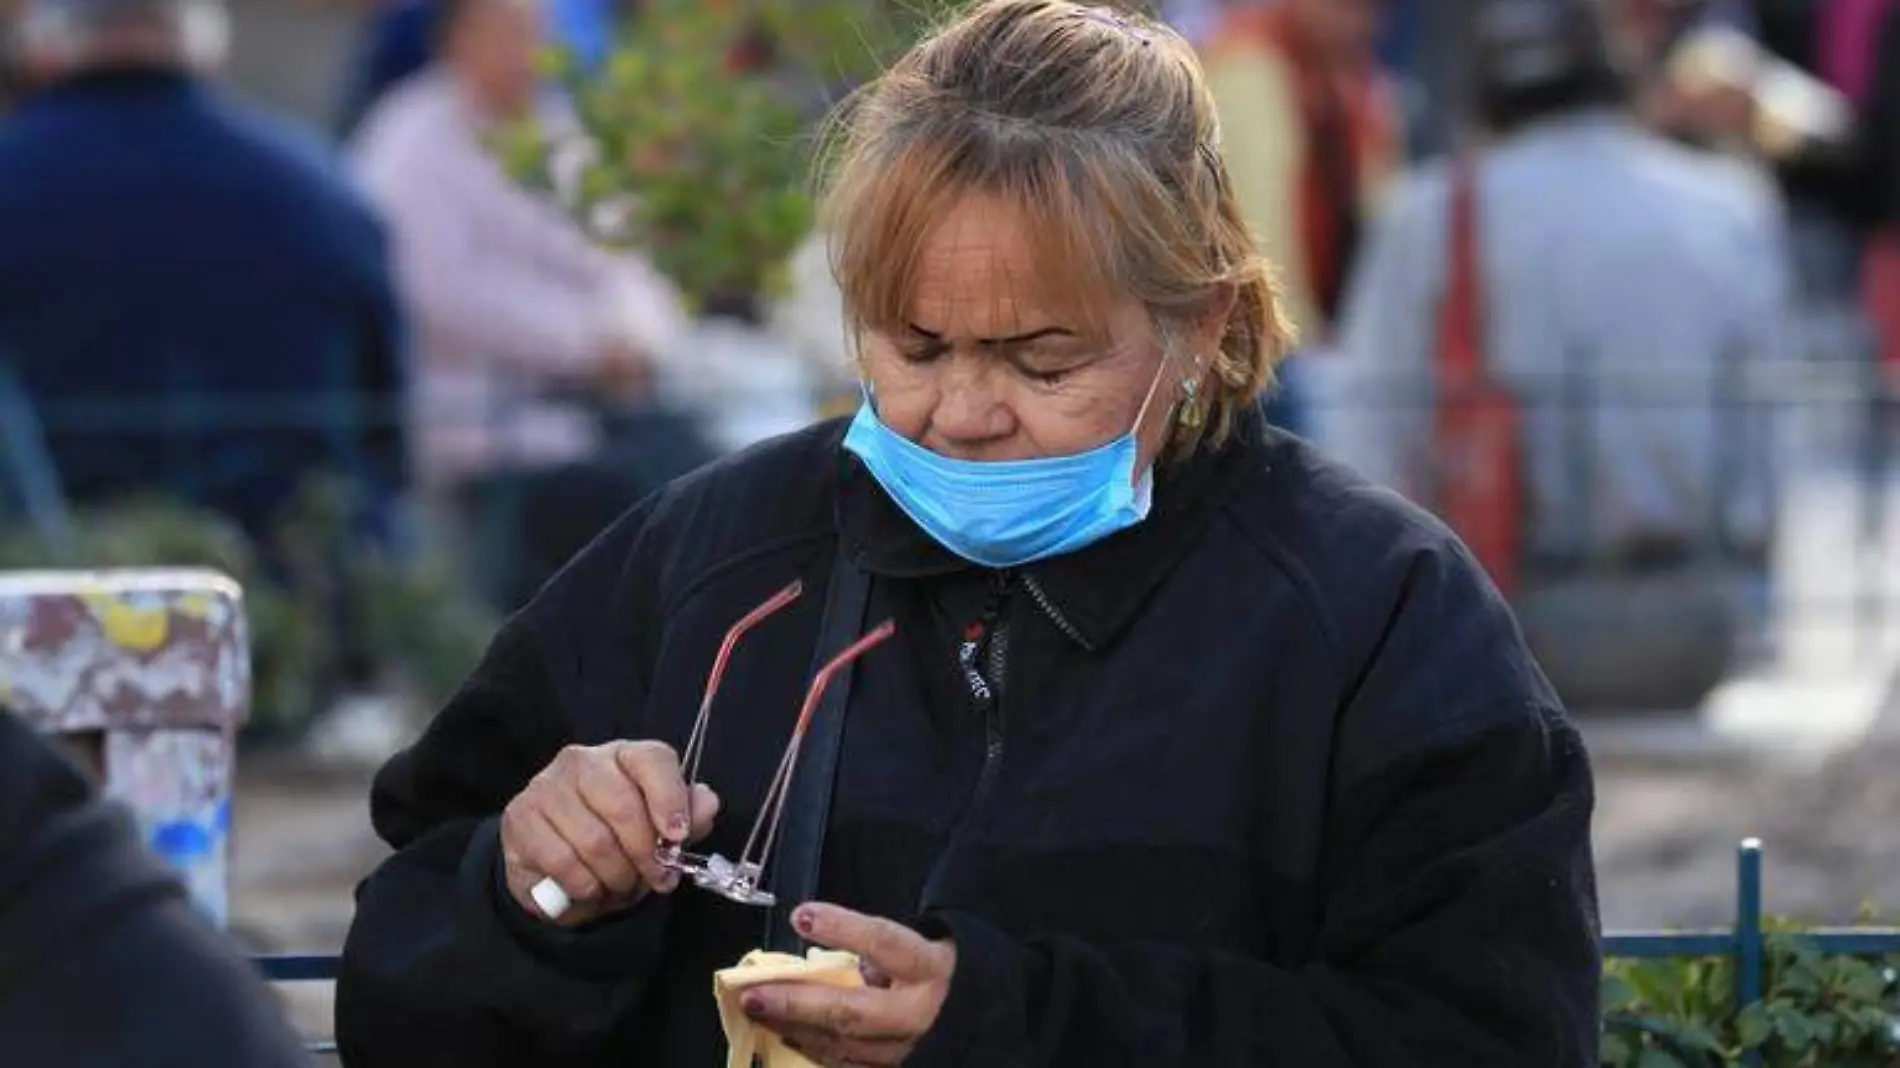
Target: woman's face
{"type": "Point", "coordinates": [987, 370]}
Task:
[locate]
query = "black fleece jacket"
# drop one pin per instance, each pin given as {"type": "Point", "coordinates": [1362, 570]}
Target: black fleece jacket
{"type": "Point", "coordinates": [1268, 779]}
{"type": "Point", "coordinates": [104, 963]}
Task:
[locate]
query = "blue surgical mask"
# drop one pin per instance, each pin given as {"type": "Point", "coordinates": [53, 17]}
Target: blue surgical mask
{"type": "Point", "coordinates": [1008, 513]}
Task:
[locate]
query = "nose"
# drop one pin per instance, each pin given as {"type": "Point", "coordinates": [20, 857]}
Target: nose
{"type": "Point", "coordinates": [970, 417]}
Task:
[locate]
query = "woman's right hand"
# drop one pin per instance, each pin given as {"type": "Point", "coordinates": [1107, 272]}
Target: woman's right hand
{"type": "Point", "coordinates": [591, 821]}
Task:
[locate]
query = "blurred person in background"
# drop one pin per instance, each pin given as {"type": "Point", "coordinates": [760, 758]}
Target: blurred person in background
{"type": "Point", "coordinates": [525, 328]}
{"type": "Point", "coordinates": [10, 86]}
{"type": "Point", "coordinates": [1809, 91]}
{"type": "Point", "coordinates": [104, 962]}
{"type": "Point", "coordinates": [1194, 20]}
{"type": "Point", "coordinates": [1312, 131]}
{"type": "Point", "coordinates": [1834, 190]}
{"type": "Point", "coordinates": [191, 263]}
{"type": "Point", "coordinates": [1875, 85]}
{"type": "Point", "coordinates": [397, 39]}
{"type": "Point", "coordinates": [1776, 85]}
{"type": "Point", "coordinates": [1625, 284]}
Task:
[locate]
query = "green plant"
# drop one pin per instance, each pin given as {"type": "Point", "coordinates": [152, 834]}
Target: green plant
{"type": "Point", "coordinates": [693, 141]}
{"type": "Point", "coordinates": [1816, 1011]}
{"type": "Point", "coordinates": [411, 621]}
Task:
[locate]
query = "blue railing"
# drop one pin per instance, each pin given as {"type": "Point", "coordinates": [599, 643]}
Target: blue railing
{"type": "Point", "coordinates": [1745, 942]}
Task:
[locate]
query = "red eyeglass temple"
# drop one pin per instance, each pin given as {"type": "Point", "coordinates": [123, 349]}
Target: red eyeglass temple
{"type": "Point", "coordinates": [781, 787]}
{"type": "Point", "coordinates": [838, 663]}
{"type": "Point", "coordinates": [689, 759]}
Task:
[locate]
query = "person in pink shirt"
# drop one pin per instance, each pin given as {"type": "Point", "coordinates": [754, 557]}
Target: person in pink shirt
{"type": "Point", "coordinates": [525, 327]}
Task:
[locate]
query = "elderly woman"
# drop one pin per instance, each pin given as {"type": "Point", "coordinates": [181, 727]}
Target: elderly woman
{"type": "Point", "coordinates": [1191, 748]}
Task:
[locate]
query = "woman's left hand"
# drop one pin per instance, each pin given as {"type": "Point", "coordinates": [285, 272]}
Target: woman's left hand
{"type": "Point", "coordinates": [876, 1025]}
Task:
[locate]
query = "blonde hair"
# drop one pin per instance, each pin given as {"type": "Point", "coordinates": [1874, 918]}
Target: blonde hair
{"type": "Point", "coordinates": [1096, 126]}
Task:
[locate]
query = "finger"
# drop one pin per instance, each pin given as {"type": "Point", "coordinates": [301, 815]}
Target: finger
{"type": "Point", "coordinates": [617, 803]}
{"type": "Point", "coordinates": [844, 1012]}
{"type": "Point", "coordinates": [890, 947]}
{"type": "Point", "coordinates": [705, 810]}
{"type": "Point", "coordinates": [827, 1049]}
{"type": "Point", "coordinates": [592, 840]}
{"type": "Point", "coordinates": [655, 769]}
{"type": "Point", "coordinates": [543, 849]}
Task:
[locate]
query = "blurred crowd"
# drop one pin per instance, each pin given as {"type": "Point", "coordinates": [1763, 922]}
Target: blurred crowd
{"type": "Point", "coordinates": [1541, 255]}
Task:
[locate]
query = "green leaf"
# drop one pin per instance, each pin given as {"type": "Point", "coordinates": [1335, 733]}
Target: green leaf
{"type": "Point", "coordinates": [1856, 980]}
{"type": "Point", "coordinates": [1656, 1058]}
{"type": "Point", "coordinates": [1753, 1027]}
{"type": "Point", "coordinates": [1803, 949]}
{"type": "Point", "coordinates": [1802, 979]}
{"type": "Point", "coordinates": [1869, 1019]}
{"type": "Point", "coordinates": [1796, 1031]}
{"type": "Point", "coordinates": [1657, 984]}
{"type": "Point", "coordinates": [1692, 1034]}
{"type": "Point", "coordinates": [1826, 1029]}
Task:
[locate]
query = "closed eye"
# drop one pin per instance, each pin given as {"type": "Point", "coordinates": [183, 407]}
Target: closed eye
{"type": "Point", "coordinates": [1048, 368]}
{"type": "Point", "coordinates": [922, 351]}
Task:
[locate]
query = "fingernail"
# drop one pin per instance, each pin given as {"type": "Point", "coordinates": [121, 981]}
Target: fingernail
{"type": "Point", "coordinates": [753, 1004]}
{"type": "Point", "coordinates": [802, 920]}
{"type": "Point", "coordinates": [679, 826]}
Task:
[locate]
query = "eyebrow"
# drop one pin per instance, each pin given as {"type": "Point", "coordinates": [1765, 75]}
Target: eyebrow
{"type": "Point", "coordinates": [997, 342]}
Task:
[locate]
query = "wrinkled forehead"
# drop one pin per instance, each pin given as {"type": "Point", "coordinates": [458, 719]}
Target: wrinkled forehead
{"type": "Point", "coordinates": [981, 273]}
{"type": "Point", "coordinates": [972, 264]}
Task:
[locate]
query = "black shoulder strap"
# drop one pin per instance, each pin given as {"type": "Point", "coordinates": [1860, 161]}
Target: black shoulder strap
{"type": "Point", "coordinates": [793, 867]}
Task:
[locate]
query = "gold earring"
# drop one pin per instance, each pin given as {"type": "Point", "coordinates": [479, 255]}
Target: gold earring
{"type": "Point", "coordinates": [1192, 413]}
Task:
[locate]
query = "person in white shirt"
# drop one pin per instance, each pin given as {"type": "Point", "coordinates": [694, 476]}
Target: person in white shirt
{"type": "Point", "coordinates": [511, 299]}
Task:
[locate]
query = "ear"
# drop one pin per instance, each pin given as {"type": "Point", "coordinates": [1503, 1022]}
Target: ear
{"type": "Point", "coordinates": [1209, 324]}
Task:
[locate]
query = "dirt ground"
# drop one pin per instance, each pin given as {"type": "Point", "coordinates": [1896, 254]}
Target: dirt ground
{"type": "Point", "coordinates": [1666, 832]}
{"type": "Point", "coordinates": [1666, 839]}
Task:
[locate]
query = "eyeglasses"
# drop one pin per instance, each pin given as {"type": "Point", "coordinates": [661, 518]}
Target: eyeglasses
{"type": "Point", "coordinates": [738, 880]}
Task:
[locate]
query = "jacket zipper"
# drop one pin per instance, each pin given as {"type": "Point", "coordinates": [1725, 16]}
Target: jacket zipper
{"type": "Point", "coordinates": [1055, 614]}
{"type": "Point", "coordinates": [993, 716]}
{"type": "Point", "coordinates": [997, 661]}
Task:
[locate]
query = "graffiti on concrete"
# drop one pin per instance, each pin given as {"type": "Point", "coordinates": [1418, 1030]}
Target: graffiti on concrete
{"type": "Point", "coordinates": [157, 662]}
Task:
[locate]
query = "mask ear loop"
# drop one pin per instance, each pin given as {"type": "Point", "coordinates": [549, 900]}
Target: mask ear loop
{"type": "Point", "coordinates": [1154, 387]}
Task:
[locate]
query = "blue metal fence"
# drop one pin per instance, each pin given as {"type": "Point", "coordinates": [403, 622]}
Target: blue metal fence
{"type": "Point", "coordinates": [1745, 942]}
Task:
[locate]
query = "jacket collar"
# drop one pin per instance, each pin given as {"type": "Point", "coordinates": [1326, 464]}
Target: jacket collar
{"type": "Point", "coordinates": [1094, 592]}
{"type": "Point", "coordinates": [130, 80]}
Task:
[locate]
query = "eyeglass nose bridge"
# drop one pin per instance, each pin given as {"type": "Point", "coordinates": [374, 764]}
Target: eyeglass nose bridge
{"type": "Point", "coordinates": [734, 880]}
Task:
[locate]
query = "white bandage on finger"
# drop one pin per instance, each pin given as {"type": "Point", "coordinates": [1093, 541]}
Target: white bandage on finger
{"type": "Point", "coordinates": [553, 900]}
